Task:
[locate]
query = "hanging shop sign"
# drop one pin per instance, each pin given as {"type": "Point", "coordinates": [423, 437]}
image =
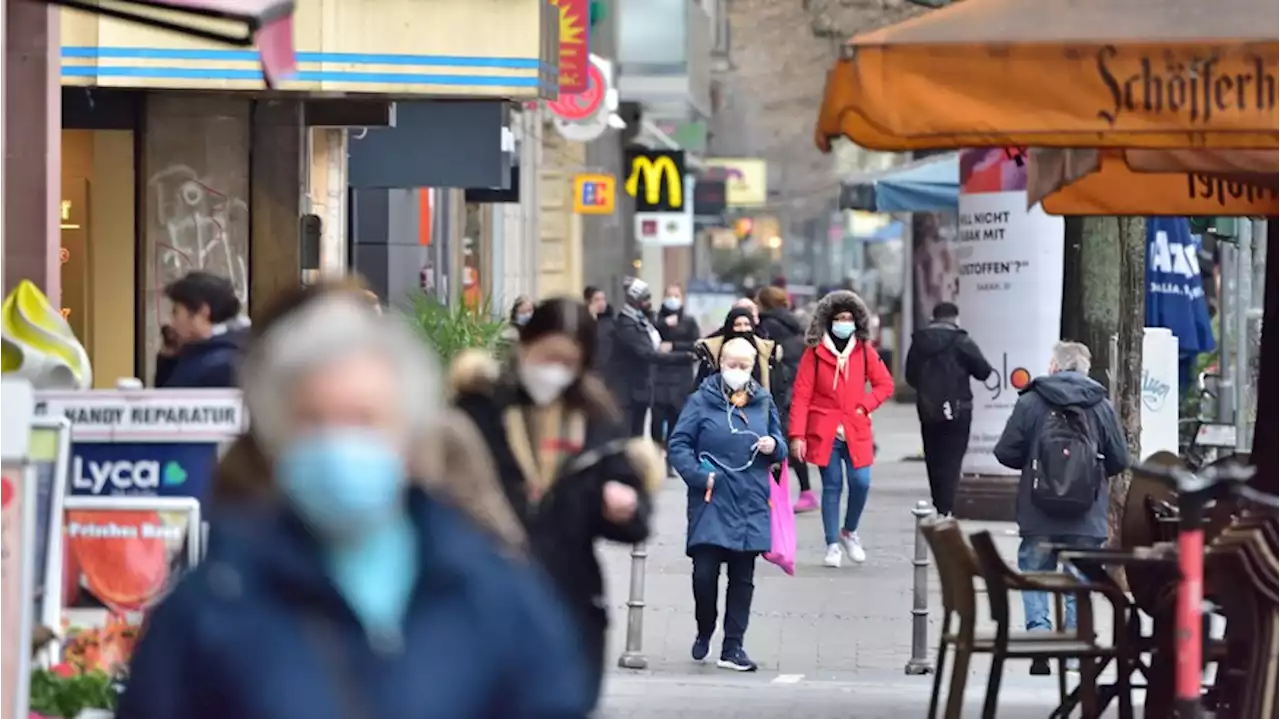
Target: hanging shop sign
{"type": "Point", "coordinates": [594, 194]}
{"type": "Point", "coordinates": [575, 18]}
{"type": "Point", "coordinates": [655, 178]}
{"type": "Point", "coordinates": [584, 116]}
{"type": "Point", "coordinates": [745, 178]}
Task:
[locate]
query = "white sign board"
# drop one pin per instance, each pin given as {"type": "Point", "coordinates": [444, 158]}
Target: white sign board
{"type": "Point", "coordinates": [1010, 295]}
{"type": "Point", "coordinates": [148, 415]}
{"type": "Point", "coordinates": [1159, 392]}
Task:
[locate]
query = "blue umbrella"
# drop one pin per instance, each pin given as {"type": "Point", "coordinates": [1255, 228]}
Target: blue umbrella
{"type": "Point", "coordinates": [928, 185]}
{"type": "Point", "coordinates": [1175, 292]}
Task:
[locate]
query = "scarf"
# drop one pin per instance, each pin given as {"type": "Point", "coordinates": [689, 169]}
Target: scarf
{"type": "Point", "coordinates": [642, 318]}
{"type": "Point", "coordinates": [842, 357]}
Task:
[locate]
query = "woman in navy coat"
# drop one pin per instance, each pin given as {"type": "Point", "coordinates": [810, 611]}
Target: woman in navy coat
{"type": "Point", "coordinates": [723, 446]}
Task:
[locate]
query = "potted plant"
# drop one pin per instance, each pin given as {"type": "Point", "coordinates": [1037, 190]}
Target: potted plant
{"type": "Point", "coordinates": [67, 692]}
{"type": "Point", "coordinates": [452, 329]}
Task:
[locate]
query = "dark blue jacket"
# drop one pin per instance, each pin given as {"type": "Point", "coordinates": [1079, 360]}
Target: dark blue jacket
{"type": "Point", "coordinates": [209, 363]}
{"type": "Point", "coordinates": [258, 632]}
{"type": "Point", "coordinates": [1018, 441]}
{"type": "Point", "coordinates": [737, 517]}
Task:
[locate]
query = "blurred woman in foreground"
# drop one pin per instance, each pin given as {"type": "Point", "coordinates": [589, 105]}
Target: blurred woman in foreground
{"type": "Point", "coordinates": [563, 456]}
{"type": "Point", "coordinates": [345, 588]}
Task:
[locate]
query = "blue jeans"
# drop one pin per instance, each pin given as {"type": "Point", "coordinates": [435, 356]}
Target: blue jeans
{"type": "Point", "coordinates": [833, 478]}
{"type": "Point", "coordinates": [1034, 555]}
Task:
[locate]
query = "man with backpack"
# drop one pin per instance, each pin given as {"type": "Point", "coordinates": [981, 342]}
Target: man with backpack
{"type": "Point", "coordinates": [940, 362]}
{"type": "Point", "coordinates": [1065, 438]}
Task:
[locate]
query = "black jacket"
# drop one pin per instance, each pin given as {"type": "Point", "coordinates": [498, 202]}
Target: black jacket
{"type": "Point", "coordinates": [782, 326]}
{"type": "Point", "coordinates": [672, 383]}
{"type": "Point", "coordinates": [632, 358]}
{"type": "Point", "coordinates": [957, 358]}
{"type": "Point", "coordinates": [207, 364]}
{"type": "Point", "coordinates": [1018, 442]}
{"type": "Point", "coordinates": [565, 521]}
{"type": "Point", "coordinates": [604, 339]}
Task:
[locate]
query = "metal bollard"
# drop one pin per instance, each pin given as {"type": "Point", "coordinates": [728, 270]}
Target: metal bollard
{"type": "Point", "coordinates": [919, 662]}
{"type": "Point", "coordinates": [633, 656]}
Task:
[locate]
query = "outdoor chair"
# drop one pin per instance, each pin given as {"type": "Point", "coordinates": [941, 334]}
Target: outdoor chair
{"type": "Point", "coordinates": [1081, 644]}
{"type": "Point", "coordinates": [958, 572]}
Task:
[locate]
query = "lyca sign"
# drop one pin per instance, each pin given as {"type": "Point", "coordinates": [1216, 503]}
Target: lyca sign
{"type": "Point", "coordinates": [148, 415]}
{"type": "Point", "coordinates": [656, 179]}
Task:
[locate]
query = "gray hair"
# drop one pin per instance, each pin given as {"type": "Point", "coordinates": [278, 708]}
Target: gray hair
{"type": "Point", "coordinates": [1072, 357]}
{"type": "Point", "coordinates": [320, 333]}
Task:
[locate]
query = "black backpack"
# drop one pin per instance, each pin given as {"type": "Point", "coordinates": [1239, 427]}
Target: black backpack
{"type": "Point", "coordinates": [936, 396]}
{"type": "Point", "coordinates": [1066, 469]}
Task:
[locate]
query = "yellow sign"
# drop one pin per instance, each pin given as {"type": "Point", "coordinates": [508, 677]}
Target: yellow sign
{"type": "Point", "coordinates": [745, 180]}
{"type": "Point", "coordinates": [594, 194]}
{"type": "Point", "coordinates": [655, 168]}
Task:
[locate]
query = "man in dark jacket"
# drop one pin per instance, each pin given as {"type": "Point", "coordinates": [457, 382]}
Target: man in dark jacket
{"type": "Point", "coordinates": [598, 305]}
{"type": "Point", "coordinates": [1067, 385]}
{"type": "Point", "coordinates": [940, 362]}
{"type": "Point", "coordinates": [205, 334]}
{"type": "Point", "coordinates": [635, 349]}
{"type": "Point", "coordinates": [672, 383]}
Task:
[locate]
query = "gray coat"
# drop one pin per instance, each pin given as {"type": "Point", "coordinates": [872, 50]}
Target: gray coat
{"type": "Point", "coordinates": [1019, 438]}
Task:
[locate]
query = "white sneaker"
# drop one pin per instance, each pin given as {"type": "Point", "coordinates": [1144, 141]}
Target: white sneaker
{"type": "Point", "coordinates": [853, 547]}
{"type": "Point", "coordinates": [834, 556]}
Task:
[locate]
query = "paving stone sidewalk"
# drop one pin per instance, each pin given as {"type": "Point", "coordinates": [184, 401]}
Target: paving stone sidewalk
{"type": "Point", "coordinates": [824, 634]}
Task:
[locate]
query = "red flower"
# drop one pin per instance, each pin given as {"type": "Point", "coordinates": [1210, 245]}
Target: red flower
{"type": "Point", "coordinates": [64, 670]}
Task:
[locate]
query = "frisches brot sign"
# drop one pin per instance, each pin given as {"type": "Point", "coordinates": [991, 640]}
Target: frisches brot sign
{"type": "Point", "coordinates": [144, 415]}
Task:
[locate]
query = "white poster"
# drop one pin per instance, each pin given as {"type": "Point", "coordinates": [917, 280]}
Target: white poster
{"type": "Point", "coordinates": [1009, 263]}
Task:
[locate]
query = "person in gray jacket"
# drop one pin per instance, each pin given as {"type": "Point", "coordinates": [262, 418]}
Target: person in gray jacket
{"type": "Point", "coordinates": [1066, 390]}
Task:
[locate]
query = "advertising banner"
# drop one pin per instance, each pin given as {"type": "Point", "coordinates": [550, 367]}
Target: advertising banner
{"type": "Point", "coordinates": [575, 32]}
{"type": "Point", "coordinates": [120, 556]}
{"type": "Point", "coordinates": [1009, 289]}
{"type": "Point", "coordinates": [176, 469]}
{"type": "Point", "coordinates": [746, 179]}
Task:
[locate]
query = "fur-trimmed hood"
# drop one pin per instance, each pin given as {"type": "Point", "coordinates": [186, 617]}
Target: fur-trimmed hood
{"type": "Point", "coordinates": [832, 304]}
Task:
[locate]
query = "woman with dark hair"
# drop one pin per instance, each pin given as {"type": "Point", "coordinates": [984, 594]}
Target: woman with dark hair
{"type": "Point", "coordinates": [739, 322]}
{"type": "Point", "coordinates": [840, 382]}
{"type": "Point", "coordinates": [563, 455]}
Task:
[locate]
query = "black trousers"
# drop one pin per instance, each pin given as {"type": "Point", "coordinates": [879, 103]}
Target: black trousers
{"type": "Point", "coordinates": [662, 422]}
{"type": "Point", "coordinates": [944, 446]}
{"type": "Point", "coordinates": [635, 413]}
{"type": "Point", "coordinates": [737, 596]}
{"type": "Point", "coordinates": [802, 474]}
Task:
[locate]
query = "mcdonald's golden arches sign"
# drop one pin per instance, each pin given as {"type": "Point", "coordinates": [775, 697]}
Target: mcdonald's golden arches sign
{"type": "Point", "coordinates": [656, 179]}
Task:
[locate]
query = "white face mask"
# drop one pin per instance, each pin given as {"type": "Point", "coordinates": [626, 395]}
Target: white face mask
{"type": "Point", "coordinates": [544, 383]}
{"type": "Point", "coordinates": [736, 379]}
{"type": "Point", "coordinates": [673, 304]}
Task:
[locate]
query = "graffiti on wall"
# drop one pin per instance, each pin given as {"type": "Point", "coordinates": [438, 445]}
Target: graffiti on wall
{"type": "Point", "coordinates": [200, 228]}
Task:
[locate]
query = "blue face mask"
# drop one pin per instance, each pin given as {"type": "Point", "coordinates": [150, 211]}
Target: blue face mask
{"type": "Point", "coordinates": [342, 481]}
{"type": "Point", "coordinates": [842, 330]}
{"type": "Point", "coordinates": [523, 318]}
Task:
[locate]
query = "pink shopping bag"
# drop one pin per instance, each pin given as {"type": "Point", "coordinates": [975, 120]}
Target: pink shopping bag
{"type": "Point", "coordinates": [782, 519]}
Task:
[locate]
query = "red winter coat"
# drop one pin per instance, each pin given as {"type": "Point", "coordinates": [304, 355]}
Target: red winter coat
{"type": "Point", "coordinates": [817, 408]}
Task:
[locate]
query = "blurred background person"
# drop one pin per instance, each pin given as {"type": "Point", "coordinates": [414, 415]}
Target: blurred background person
{"type": "Point", "coordinates": [563, 456]}
{"type": "Point", "coordinates": [673, 382]}
{"type": "Point", "coordinates": [741, 321]}
{"type": "Point", "coordinates": [598, 304]}
{"type": "Point", "coordinates": [723, 446]}
{"type": "Point", "coordinates": [783, 328]}
{"type": "Point", "coordinates": [347, 566]}
{"type": "Point", "coordinates": [636, 348]}
{"type": "Point", "coordinates": [204, 340]}
{"type": "Point", "coordinates": [840, 382]}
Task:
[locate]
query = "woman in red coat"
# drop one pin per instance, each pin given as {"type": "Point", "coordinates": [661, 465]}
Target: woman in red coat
{"type": "Point", "coordinates": [841, 381]}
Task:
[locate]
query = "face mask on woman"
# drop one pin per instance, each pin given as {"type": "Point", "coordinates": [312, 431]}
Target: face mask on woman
{"type": "Point", "coordinates": [842, 330]}
{"type": "Point", "coordinates": [342, 480]}
{"type": "Point", "coordinates": [736, 379]}
{"type": "Point", "coordinates": [544, 383]}
{"type": "Point", "coordinates": [523, 318]}
{"type": "Point", "coordinates": [672, 304]}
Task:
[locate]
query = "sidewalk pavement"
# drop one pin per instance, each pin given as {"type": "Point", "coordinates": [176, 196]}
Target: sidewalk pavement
{"type": "Point", "coordinates": [825, 637]}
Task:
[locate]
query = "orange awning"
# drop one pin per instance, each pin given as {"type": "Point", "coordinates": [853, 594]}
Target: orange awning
{"type": "Point", "coordinates": [1084, 182]}
{"type": "Point", "coordinates": [265, 24]}
{"type": "Point", "coordinates": [1062, 73]}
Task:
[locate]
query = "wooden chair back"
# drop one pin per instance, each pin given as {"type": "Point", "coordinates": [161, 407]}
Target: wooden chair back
{"type": "Point", "coordinates": [957, 570]}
